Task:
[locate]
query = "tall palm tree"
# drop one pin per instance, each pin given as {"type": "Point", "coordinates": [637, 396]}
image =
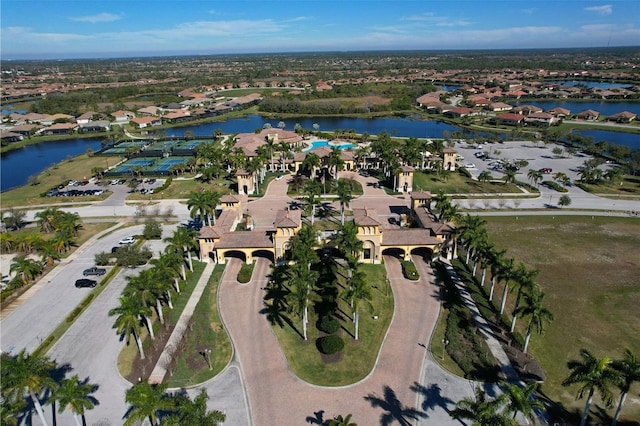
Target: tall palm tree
{"type": "Point", "coordinates": [146, 401]}
{"type": "Point", "coordinates": [336, 161]}
{"type": "Point", "coordinates": [592, 374]}
{"type": "Point", "coordinates": [301, 294]}
{"type": "Point", "coordinates": [194, 412]}
{"type": "Point", "coordinates": [506, 273]}
{"type": "Point", "coordinates": [183, 239]}
{"type": "Point", "coordinates": [524, 282]}
{"type": "Point", "coordinates": [26, 268]}
{"type": "Point", "coordinates": [139, 290]}
{"type": "Point", "coordinates": [312, 188]}
{"type": "Point", "coordinates": [472, 233]}
{"type": "Point", "coordinates": [172, 264]}
{"type": "Point", "coordinates": [522, 399]}
{"type": "Point", "coordinates": [497, 260]}
{"type": "Point", "coordinates": [348, 243]}
{"type": "Point", "coordinates": [199, 205]}
{"type": "Point", "coordinates": [628, 368]}
{"type": "Point", "coordinates": [538, 315]}
{"type": "Point", "coordinates": [75, 395]}
{"type": "Point", "coordinates": [482, 410]}
{"type": "Point", "coordinates": [357, 292]}
{"type": "Point", "coordinates": [509, 176]}
{"type": "Point", "coordinates": [344, 197]}
{"type": "Point", "coordinates": [47, 218]}
{"type": "Point", "coordinates": [27, 372]}
{"type": "Point", "coordinates": [128, 320]}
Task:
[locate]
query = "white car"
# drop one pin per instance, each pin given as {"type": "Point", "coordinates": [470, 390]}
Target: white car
{"type": "Point", "coordinates": [469, 166]}
{"type": "Point", "coordinates": [127, 240]}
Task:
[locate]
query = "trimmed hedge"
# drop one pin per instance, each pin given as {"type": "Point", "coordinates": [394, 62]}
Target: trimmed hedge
{"type": "Point", "coordinates": [330, 345]}
{"type": "Point", "coordinates": [554, 185]}
{"type": "Point", "coordinates": [409, 270]}
{"type": "Point", "coordinates": [329, 324]}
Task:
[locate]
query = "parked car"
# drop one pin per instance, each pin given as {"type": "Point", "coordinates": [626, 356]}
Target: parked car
{"type": "Point", "coordinates": [469, 166]}
{"type": "Point", "coordinates": [127, 240]}
{"type": "Point", "coordinates": [546, 170]}
{"type": "Point", "coordinates": [85, 282]}
{"type": "Point", "coordinates": [94, 271]}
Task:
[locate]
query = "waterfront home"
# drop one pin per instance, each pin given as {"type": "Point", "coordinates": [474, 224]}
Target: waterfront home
{"type": "Point", "coordinates": [623, 117]}
{"type": "Point", "coordinates": [589, 115]}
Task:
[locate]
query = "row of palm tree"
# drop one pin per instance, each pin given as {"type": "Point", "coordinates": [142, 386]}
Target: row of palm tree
{"type": "Point", "coordinates": [501, 410]}
{"type": "Point", "coordinates": [152, 402]}
{"type": "Point", "coordinates": [34, 375]}
{"type": "Point", "coordinates": [529, 300]}
{"type": "Point", "coordinates": [600, 374]}
{"type": "Point", "coordinates": [152, 289]}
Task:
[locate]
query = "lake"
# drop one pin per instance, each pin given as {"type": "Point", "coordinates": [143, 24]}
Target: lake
{"type": "Point", "coordinates": [16, 166]}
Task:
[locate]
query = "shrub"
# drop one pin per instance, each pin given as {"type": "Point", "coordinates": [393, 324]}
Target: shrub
{"type": "Point", "coordinates": [152, 230]}
{"type": "Point", "coordinates": [554, 185]}
{"type": "Point", "coordinates": [331, 344]}
{"type": "Point", "coordinates": [409, 270]}
{"type": "Point", "coordinates": [328, 324]}
{"type": "Point", "coordinates": [165, 185]}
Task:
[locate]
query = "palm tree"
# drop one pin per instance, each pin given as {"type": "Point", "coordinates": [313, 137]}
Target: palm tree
{"type": "Point", "coordinates": [27, 372]}
{"type": "Point", "coordinates": [75, 395]}
{"type": "Point", "coordinates": [48, 253]}
{"type": "Point", "coordinates": [537, 313]}
{"type": "Point", "coordinates": [199, 205]}
{"type": "Point", "coordinates": [46, 219]}
{"type": "Point", "coordinates": [26, 268]}
{"type": "Point", "coordinates": [509, 176]}
{"type": "Point", "coordinates": [522, 399]}
{"type": "Point", "coordinates": [628, 368]}
{"type": "Point", "coordinates": [139, 290]}
{"type": "Point", "coordinates": [168, 265]}
{"type": "Point", "coordinates": [335, 160]}
{"type": "Point", "coordinates": [310, 163]}
{"type": "Point", "coordinates": [482, 410]}
{"type": "Point", "coordinates": [146, 400]}
{"type": "Point", "coordinates": [300, 295]}
{"type": "Point", "coordinates": [313, 189]}
{"type": "Point", "coordinates": [534, 176]}
{"type": "Point", "coordinates": [472, 233]}
{"type": "Point", "coordinates": [497, 260]}
{"type": "Point", "coordinates": [342, 421]}
{"type": "Point", "coordinates": [344, 197]}
{"type": "Point", "coordinates": [183, 239]}
{"type": "Point", "coordinates": [358, 291]}
{"type": "Point", "coordinates": [128, 320]}
{"type": "Point", "coordinates": [484, 177]}
{"type": "Point", "coordinates": [524, 281]}
{"type": "Point", "coordinates": [348, 243]}
{"type": "Point", "coordinates": [194, 412]}
{"type": "Point", "coordinates": [592, 374]}
{"type": "Point", "coordinates": [506, 273]}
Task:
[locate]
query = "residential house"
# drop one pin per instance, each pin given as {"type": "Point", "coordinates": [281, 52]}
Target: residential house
{"type": "Point", "coordinates": [142, 122]}
{"type": "Point", "coordinates": [60, 129]}
{"type": "Point", "coordinates": [10, 137]}
{"type": "Point", "coordinates": [623, 117]}
{"type": "Point", "coordinates": [509, 118]}
{"type": "Point", "coordinates": [96, 126]}
{"type": "Point", "coordinates": [499, 107]}
{"type": "Point", "coordinates": [589, 115]}
{"type": "Point", "coordinates": [560, 113]}
{"type": "Point", "coordinates": [540, 118]}
{"type": "Point", "coordinates": [121, 116]}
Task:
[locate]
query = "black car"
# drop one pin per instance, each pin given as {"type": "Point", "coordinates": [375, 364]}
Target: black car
{"type": "Point", "coordinates": [94, 271]}
{"type": "Point", "coordinates": [85, 282]}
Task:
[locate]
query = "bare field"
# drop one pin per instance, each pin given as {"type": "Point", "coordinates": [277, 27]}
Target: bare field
{"type": "Point", "coordinates": [589, 270]}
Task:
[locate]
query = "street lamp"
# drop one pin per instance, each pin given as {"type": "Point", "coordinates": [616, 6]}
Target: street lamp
{"type": "Point", "coordinates": [445, 342]}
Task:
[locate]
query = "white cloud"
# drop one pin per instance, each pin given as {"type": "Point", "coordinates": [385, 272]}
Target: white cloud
{"type": "Point", "coordinates": [100, 17]}
{"type": "Point", "coordinates": [528, 11]}
{"type": "Point", "coordinates": [605, 9]}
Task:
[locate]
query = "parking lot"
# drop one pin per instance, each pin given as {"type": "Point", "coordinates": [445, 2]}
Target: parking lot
{"type": "Point", "coordinates": [95, 187]}
{"type": "Point", "coordinates": [538, 156]}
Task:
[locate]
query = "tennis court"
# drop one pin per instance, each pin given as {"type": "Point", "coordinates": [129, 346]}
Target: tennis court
{"type": "Point", "coordinates": [164, 164]}
{"type": "Point", "coordinates": [190, 144]}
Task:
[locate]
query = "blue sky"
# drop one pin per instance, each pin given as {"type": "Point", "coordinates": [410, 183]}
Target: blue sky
{"type": "Point", "coordinates": [51, 29]}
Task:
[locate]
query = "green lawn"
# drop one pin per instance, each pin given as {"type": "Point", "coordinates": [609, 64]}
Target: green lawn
{"type": "Point", "coordinates": [589, 269]}
{"type": "Point", "coordinates": [458, 184]}
{"type": "Point", "coordinates": [207, 333]}
{"type": "Point", "coordinates": [627, 186]}
{"type": "Point", "coordinates": [358, 356]}
{"type": "Point", "coordinates": [75, 168]}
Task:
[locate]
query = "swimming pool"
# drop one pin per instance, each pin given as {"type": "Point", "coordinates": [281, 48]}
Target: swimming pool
{"type": "Point", "coordinates": [319, 144]}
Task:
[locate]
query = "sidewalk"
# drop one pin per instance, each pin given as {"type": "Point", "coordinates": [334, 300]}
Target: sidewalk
{"type": "Point", "coordinates": [160, 370]}
{"type": "Point", "coordinates": [499, 354]}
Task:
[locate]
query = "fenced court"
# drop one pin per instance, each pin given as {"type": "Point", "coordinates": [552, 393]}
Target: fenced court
{"type": "Point", "coordinates": [122, 147]}
{"type": "Point", "coordinates": [189, 144]}
{"type": "Point", "coordinates": [163, 165]}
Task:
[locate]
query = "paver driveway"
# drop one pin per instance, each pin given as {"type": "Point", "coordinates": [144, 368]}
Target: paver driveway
{"type": "Point", "coordinates": [277, 397]}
